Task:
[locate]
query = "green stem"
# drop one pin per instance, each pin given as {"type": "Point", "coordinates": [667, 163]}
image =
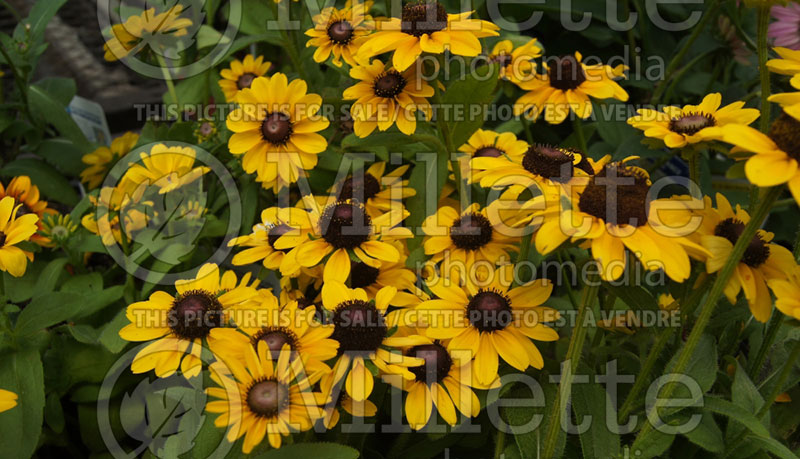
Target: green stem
{"type": "Point", "coordinates": [694, 167]}
{"type": "Point", "coordinates": [447, 138]}
{"type": "Point", "coordinates": [679, 76]}
{"type": "Point", "coordinates": [769, 338]}
{"type": "Point", "coordinates": [573, 357]}
{"type": "Point", "coordinates": [524, 251]}
{"type": "Point", "coordinates": [577, 124]}
{"type": "Point", "coordinates": [173, 94]}
{"type": "Point", "coordinates": [500, 445]}
{"type": "Point", "coordinates": [710, 304]}
{"type": "Point", "coordinates": [782, 377]}
{"type": "Point", "coordinates": [763, 25]}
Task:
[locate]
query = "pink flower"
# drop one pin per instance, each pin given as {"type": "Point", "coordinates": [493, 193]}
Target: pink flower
{"type": "Point", "coordinates": [786, 30]}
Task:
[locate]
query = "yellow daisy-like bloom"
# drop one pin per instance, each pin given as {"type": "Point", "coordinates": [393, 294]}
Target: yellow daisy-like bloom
{"type": "Point", "coordinates": [205, 130]}
{"type": "Point", "coordinates": [345, 231]}
{"type": "Point", "coordinates": [126, 37]}
{"type": "Point", "coordinates": [491, 320]}
{"type": "Point", "coordinates": [240, 75]}
{"type": "Point", "coordinates": [384, 97]}
{"type": "Point", "coordinates": [167, 168]}
{"type": "Point", "coordinates": [57, 228]}
{"type": "Point", "coordinates": [262, 397]}
{"type": "Point", "coordinates": [112, 205]}
{"type": "Point", "coordinates": [277, 326]}
{"type": "Point", "coordinates": [13, 230]}
{"type": "Point", "coordinates": [378, 190]}
{"type": "Point", "coordinates": [275, 240]}
{"type": "Point", "coordinates": [789, 101]}
{"type": "Point", "coordinates": [612, 212]}
{"type": "Point", "coordinates": [8, 400]}
{"type": "Point", "coordinates": [276, 128]}
{"type": "Point", "coordinates": [340, 32]}
{"type": "Point", "coordinates": [490, 144]}
{"type": "Point", "coordinates": [364, 408]}
{"type": "Point", "coordinates": [678, 127]}
{"type": "Point", "coordinates": [425, 26]}
{"type": "Point", "coordinates": [26, 194]}
{"type": "Point", "coordinates": [787, 64]}
{"type": "Point", "coordinates": [101, 160]}
{"type": "Point", "coordinates": [363, 336]}
{"type": "Point", "coordinates": [177, 325]}
{"type": "Point", "coordinates": [776, 154]}
{"type": "Point", "coordinates": [568, 85]}
{"type": "Point", "coordinates": [787, 294]}
{"type": "Point", "coordinates": [761, 262]}
{"type": "Point", "coordinates": [516, 64]}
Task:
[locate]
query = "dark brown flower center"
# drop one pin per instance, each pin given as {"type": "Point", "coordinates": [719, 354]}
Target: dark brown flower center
{"type": "Point", "coordinates": [488, 152]}
{"type": "Point", "coordinates": [489, 311]}
{"type": "Point", "coordinates": [549, 162]}
{"type": "Point", "coordinates": [360, 187]}
{"type": "Point", "coordinates": [785, 132]}
{"type": "Point", "coordinates": [437, 363]}
{"type": "Point", "coordinates": [2, 239]}
{"type": "Point", "coordinates": [503, 59]}
{"type": "Point", "coordinates": [340, 32]}
{"type": "Point", "coordinates": [245, 80]}
{"type": "Point", "coordinates": [194, 314]}
{"type": "Point", "coordinates": [423, 17]}
{"type": "Point", "coordinates": [276, 128]}
{"type": "Point", "coordinates": [275, 338]}
{"type": "Point", "coordinates": [345, 225]}
{"type": "Point", "coordinates": [691, 123]}
{"type": "Point", "coordinates": [358, 327]}
{"type": "Point", "coordinates": [617, 195]}
{"type": "Point", "coordinates": [362, 275]}
{"type": "Point", "coordinates": [757, 251]}
{"type": "Point", "coordinates": [566, 73]}
{"type": "Point", "coordinates": [268, 398]}
{"type": "Point", "coordinates": [275, 233]}
{"type": "Point", "coordinates": [389, 84]}
{"type": "Point", "coordinates": [471, 231]}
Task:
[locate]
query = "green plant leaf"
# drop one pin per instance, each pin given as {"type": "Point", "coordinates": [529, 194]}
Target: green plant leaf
{"type": "Point", "coordinates": [477, 88]}
{"type": "Point", "coordinates": [321, 450]}
{"type": "Point", "coordinates": [637, 298]}
{"type": "Point", "coordinates": [47, 109]}
{"type": "Point", "coordinates": [48, 279]}
{"type": "Point", "coordinates": [592, 400]}
{"type": "Point", "coordinates": [21, 373]}
{"type": "Point", "coordinates": [52, 184]}
{"type": "Point", "coordinates": [46, 310]}
{"type": "Point", "coordinates": [707, 434]}
{"type": "Point", "coordinates": [736, 414]}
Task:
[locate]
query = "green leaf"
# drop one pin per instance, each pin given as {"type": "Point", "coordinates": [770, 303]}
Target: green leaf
{"type": "Point", "coordinates": [50, 181]}
{"type": "Point", "coordinates": [592, 400]}
{"type": "Point", "coordinates": [110, 338]}
{"type": "Point", "coordinates": [477, 88]}
{"type": "Point", "coordinates": [49, 277]}
{"type": "Point", "coordinates": [428, 178]}
{"type": "Point", "coordinates": [707, 434]}
{"type": "Point", "coordinates": [773, 446]}
{"type": "Point", "coordinates": [249, 193]}
{"type": "Point", "coordinates": [321, 450]}
{"type": "Point", "coordinates": [41, 14]}
{"type": "Point", "coordinates": [98, 301]}
{"type": "Point", "coordinates": [54, 413]}
{"type": "Point", "coordinates": [637, 298]}
{"type": "Point", "coordinates": [62, 89]}
{"type": "Point", "coordinates": [209, 36]}
{"type": "Point", "coordinates": [63, 155]}
{"type": "Point", "coordinates": [21, 373]}
{"type": "Point", "coordinates": [377, 139]}
{"type": "Point", "coordinates": [46, 310]}
{"type": "Point", "coordinates": [46, 107]}
{"type": "Point", "coordinates": [736, 414]}
{"type": "Point", "coordinates": [702, 369]}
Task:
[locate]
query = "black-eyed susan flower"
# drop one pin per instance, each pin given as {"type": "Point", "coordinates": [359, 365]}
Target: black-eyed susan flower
{"type": "Point", "coordinates": [787, 64]}
{"type": "Point", "coordinates": [277, 325]}
{"type": "Point", "coordinates": [165, 168]}
{"type": "Point", "coordinates": [57, 228]}
{"type": "Point", "coordinates": [484, 143]}
{"type": "Point", "coordinates": [568, 85]}
{"type": "Point", "coordinates": [101, 160]}
{"type": "Point", "coordinates": [425, 26]}
{"type": "Point", "coordinates": [8, 400]}
{"type": "Point", "coordinates": [378, 190]}
{"type": "Point", "coordinates": [384, 97]}
{"type": "Point", "coordinates": [678, 127]}
{"type": "Point", "coordinates": [177, 325]}
{"type": "Point", "coordinates": [343, 402]}
{"type": "Point", "coordinates": [762, 261]}
{"type": "Point", "coordinates": [517, 63]}
{"type": "Point", "coordinates": [340, 32]}
{"type": "Point", "coordinates": [15, 228]}
{"type": "Point", "coordinates": [146, 28]}
{"type": "Point", "coordinates": [276, 129]}
{"type": "Point", "coordinates": [261, 397]}
{"type": "Point", "coordinates": [240, 75]}
{"type": "Point", "coordinates": [364, 340]}
{"type": "Point", "coordinates": [789, 101]}
{"type": "Point", "coordinates": [373, 279]}
{"type": "Point", "coordinates": [27, 195]}
{"type": "Point", "coordinates": [787, 294]}
{"type": "Point", "coordinates": [491, 320]}
{"type": "Point", "coordinates": [116, 213]}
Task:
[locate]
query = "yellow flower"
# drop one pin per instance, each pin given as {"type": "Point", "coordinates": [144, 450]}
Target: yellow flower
{"type": "Point", "coordinates": [762, 261]}
{"type": "Point", "coordinates": [101, 160]}
{"type": "Point", "coordinates": [13, 230]}
{"type": "Point", "coordinates": [205, 130]}
{"type": "Point", "coordinates": [568, 84]}
{"type": "Point", "coordinates": [787, 294]}
{"type": "Point", "coordinates": [491, 320]}
{"type": "Point", "coordinates": [8, 400]}
{"type": "Point", "coordinates": [384, 97]}
{"type": "Point", "coordinates": [789, 101]}
{"type": "Point", "coordinates": [241, 74]}
{"type": "Point", "coordinates": [167, 168]}
{"type": "Point", "coordinates": [678, 127]}
{"type": "Point", "coordinates": [26, 194]}
{"type": "Point", "coordinates": [57, 227]}
{"type": "Point", "coordinates": [261, 397]}
{"type": "Point", "coordinates": [490, 144]}
{"type": "Point", "coordinates": [364, 339]}
{"type": "Point", "coordinates": [177, 325]}
{"type": "Point", "coordinates": [516, 64]}
{"type": "Point", "coordinates": [364, 408]}
{"type": "Point", "coordinates": [340, 32]}
{"type": "Point", "coordinates": [787, 64]}
{"type": "Point", "coordinates": [126, 37]}
{"type": "Point", "coordinates": [378, 190]}
{"type": "Point", "coordinates": [112, 205]}
{"type": "Point", "coordinates": [276, 129]}
{"type": "Point", "coordinates": [425, 26]}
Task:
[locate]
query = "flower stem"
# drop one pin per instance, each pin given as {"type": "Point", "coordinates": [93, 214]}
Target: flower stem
{"type": "Point", "coordinates": [578, 127]}
{"type": "Point", "coordinates": [772, 331]}
{"type": "Point", "coordinates": [447, 138]}
{"type": "Point", "coordinates": [782, 377]}
{"type": "Point", "coordinates": [710, 304]}
{"type": "Point", "coordinates": [500, 445]}
{"type": "Point", "coordinates": [173, 94]}
{"type": "Point", "coordinates": [763, 25]}
{"type": "Point", "coordinates": [570, 366]}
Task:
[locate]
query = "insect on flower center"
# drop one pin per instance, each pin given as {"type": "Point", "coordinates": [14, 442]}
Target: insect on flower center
{"type": "Point", "coordinates": [437, 363]}
{"type": "Point", "coordinates": [275, 233]}
{"type": "Point", "coordinates": [194, 314]}
{"type": "Point", "coordinates": [358, 327]}
{"type": "Point", "coordinates": [340, 32]}
{"type": "Point", "coordinates": [275, 338]}
{"type": "Point", "coordinates": [550, 162]}
{"type": "Point", "coordinates": [362, 275]}
{"type": "Point", "coordinates": [488, 152]}
{"type": "Point", "coordinates": [785, 132]}
{"type": "Point", "coordinates": [423, 17]}
{"type": "Point", "coordinates": [489, 311]}
{"type": "Point", "coordinates": [268, 398]}
{"type": "Point", "coordinates": [389, 84]}
{"type": "Point", "coordinates": [757, 251]}
{"type": "Point", "coordinates": [360, 187]}
{"type": "Point", "coordinates": [618, 195]}
{"type": "Point", "coordinates": [345, 225]}
{"type": "Point", "coordinates": [245, 80]}
{"type": "Point", "coordinates": [471, 231]}
{"type": "Point", "coordinates": [566, 73]}
{"type": "Point", "coordinates": [276, 128]}
{"type": "Point", "coordinates": [691, 123]}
